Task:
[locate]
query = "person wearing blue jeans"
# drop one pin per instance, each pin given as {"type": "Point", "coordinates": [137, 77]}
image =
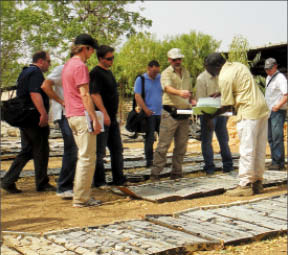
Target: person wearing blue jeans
{"type": "Point", "coordinates": [151, 105]}
{"type": "Point", "coordinates": [275, 138]}
{"type": "Point", "coordinates": [153, 126]}
{"type": "Point", "coordinates": [219, 126]}
{"type": "Point", "coordinates": [276, 99]}
{"type": "Point", "coordinates": [207, 86]}
{"type": "Point", "coordinates": [69, 159]}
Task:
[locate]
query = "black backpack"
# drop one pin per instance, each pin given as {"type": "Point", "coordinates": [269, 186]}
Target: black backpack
{"type": "Point", "coordinates": [137, 122]}
{"type": "Point", "coordinates": [15, 111]}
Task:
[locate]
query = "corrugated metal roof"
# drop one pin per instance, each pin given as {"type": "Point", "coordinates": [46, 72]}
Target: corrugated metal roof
{"type": "Point", "coordinates": [269, 46]}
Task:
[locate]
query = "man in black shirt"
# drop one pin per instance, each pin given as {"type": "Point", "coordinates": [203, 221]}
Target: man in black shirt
{"type": "Point", "coordinates": [34, 139]}
{"type": "Point", "coordinates": [103, 89]}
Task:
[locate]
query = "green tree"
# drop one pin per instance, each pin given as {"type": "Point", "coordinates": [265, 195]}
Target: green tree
{"type": "Point", "coordinates": [238, 50]}
{"type": "Point", "coordinates": [143, 47]}
{"type": "Point", "coordinates": [195, 47]}
{"type": "Point", "coordinates": [133, 58]}
{"type": "Point", "coordinates": [28, 26]}
{"type": "Point", "coordinates": [11, 30]}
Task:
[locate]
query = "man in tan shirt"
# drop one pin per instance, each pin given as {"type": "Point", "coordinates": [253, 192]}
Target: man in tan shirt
{"type": "Point", "coordinates": [177, 87]}
{"type": "Point", "coordinates": [238, 89]}
{"type": "Point", "coordinates": [207, 86]}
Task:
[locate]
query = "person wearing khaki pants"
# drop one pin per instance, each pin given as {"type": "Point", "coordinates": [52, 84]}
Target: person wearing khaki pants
{"type": "Point", "coordinates": [86, 143]}
{"type": "Point", "coordinates": [77, 101]}
{"type": "Point", "coordinates": [177, 88]}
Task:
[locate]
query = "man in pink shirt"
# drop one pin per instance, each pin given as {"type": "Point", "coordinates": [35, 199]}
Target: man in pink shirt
{"type": "Point", "coordinates": [77, 100]}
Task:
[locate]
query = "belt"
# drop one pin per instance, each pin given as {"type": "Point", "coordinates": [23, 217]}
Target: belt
{"type": "Point", "coordinates": [170, 108]}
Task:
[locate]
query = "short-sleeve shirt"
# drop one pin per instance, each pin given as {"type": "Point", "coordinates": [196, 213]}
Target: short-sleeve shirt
{"type": "Point", "coordinates": [206, 85]}
{"type": "Point", "coordinates": [275, 91]}
{"type": "Point", "coordinates": [153, 92]}
{"type": "Point", "coordinates": [170, 78]}
{"type": "Point", "coordinates": [238, 89]}
{"type": "Point", "coordinates": [75, 74]}
{"type": "Point", "coordinates": [103, 82]}
{"type": "Point", "coordinates": [30, 80]}
{"type": "Point", "coordinates": [56, 108]}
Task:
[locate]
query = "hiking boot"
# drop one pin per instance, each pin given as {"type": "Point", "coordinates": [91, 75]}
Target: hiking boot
{"type": "Point", "coordinates": [11, 188]}
{"type": "Point", "coordinates": [46, 187]}
{"type": "Point", "coordinates": [257, 187]}
{"type": "Point", "coordinates": [240, 191]}
{"type": "Point", "coordinates": [67, 194]}
{"type": "Point", "coordinates": [90, 203]}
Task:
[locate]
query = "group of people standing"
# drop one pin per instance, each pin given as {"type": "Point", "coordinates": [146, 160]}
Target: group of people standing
{"type": "Point", "coordinates": [78, 93]}
{"type": "Point", "coordinates": [258, 117]}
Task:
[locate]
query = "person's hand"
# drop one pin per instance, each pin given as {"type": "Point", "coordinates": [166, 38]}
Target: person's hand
{"type": "Point", "coordinates": [216, 94]}
{"type": "Point", "coordinates": [207, 115]}
{"type": "Point", "coordinates": [63, 104]}
{"type": "Point", "coordinates": [107, 121]}
{"type": "Point", "coordinates": [43, 120]}
{"type": "Point", "coordinates": [275, 108]}
{"type": "Point", "coordinates": [148, 112]}
{"type": "Point", "coordinates": [96, 127]}
{"type": "Point", "coordinates": [193, 102]}
{"type": "Point", "coordinates": [185, 93]}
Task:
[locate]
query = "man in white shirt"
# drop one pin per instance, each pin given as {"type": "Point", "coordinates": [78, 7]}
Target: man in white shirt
{"type": "Point", "coordinates": [276, 99]}
{"type": "Point", "coordinates": [69, 160]}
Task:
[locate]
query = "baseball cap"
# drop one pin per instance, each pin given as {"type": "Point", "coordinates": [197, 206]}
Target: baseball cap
{"type": "Point", "coordinates": [86, 39]}
{"type": "Point", "coordinates": [269, 63]}
{"type": "Point", "coordinates": [175, 53]}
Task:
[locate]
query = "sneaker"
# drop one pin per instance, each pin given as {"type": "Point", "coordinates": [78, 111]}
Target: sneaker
{"type": "Point", "coordinates": [240, 191]}
{"type": "Point", "coordinates": [90, 203]}
{"type": "Point", "coordinates": [11, 188]}
{"type": "Point", "coordinates": [257, 187]}
{"type": "Point", "coordinates": [68, 194]}
{"type": "Point", "coordinates": [46, 187]}
{"type": "Point", "coordinates": [104, 187]}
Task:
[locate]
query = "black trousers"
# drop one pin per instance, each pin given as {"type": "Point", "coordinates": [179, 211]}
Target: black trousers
{"type": "Point", "coordinates": [110, 138]}
{"type": "Point", "coordinates": [35, 146]}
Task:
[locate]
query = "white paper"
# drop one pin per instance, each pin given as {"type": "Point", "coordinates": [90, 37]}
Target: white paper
{"type": "Point", "coordinates": [191, 112]}
{"type": "Point", "coordinates": [100, 117]}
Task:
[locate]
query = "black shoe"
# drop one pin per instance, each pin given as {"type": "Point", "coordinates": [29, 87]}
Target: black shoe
{"type": "Point", "coordinates": [209, 172]}
{"type": "Point", "coordinates": [11, 188]}
{"type": "Point", "coordinates": [274, 167]}
{"type": "Point", "coordinates": [227, 170]}
{"type": "Point", "coordinates": [46, 187]}
{"type": "Point", "coordinates": [99, 184]}
{"type": "Point", "coordinates": [176, 176]}
{"type": "Point", "coordinates": [154, 178]}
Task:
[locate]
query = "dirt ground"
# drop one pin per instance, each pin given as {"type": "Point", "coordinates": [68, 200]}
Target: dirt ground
{"type": "Point", "coordinates": [32, 211]}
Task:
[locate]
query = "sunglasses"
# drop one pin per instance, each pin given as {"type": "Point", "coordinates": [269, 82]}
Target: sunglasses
{"type": "Point", "coordinates": [176, 59]}
{"type": "Point", "coordinates": [110, 59]}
